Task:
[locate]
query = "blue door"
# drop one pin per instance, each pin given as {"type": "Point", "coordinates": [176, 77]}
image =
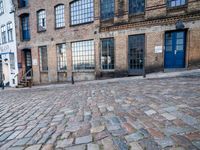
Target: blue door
{"type": "Point", "coordinates": [175, 45]}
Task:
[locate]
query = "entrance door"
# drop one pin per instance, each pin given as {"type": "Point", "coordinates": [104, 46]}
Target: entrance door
{"type": "Point", "coordinates": [136, 54]}
{"type": "Point", "coordinates": [175, 45]}
{"type": "Point", "coordinates": [28, 61]}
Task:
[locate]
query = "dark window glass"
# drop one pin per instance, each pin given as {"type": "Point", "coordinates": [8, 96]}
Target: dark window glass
{"type": "Point", "coordinates": [23, 3]}
{"type": "Point", "coordinates": [107, 53]}
{"type": "Point", "coordinates": [1, 7]}
{"type": "Point", "coordinates": [107, 9]}
{"type": "Point", "coordinates": [43, 58]}
{"type": "Point", "coordinates": [82, 11]}
{"type": "Point", "coordinates": [3, 34]}
{"type": "Point", "coordinates": [136, 6]}
{"type": "Point", "coordinates": [83, 55]}
{"type": "Point", "coordinates": [60, 16]}
{"type": "Point", "coordinates": [175, 3]}
{"type": "Point", "coordinates": [10, 31]}
{"type": "Point", "coordinates": [12, 61]}
{"type": "Point", "coordinates": [41, 18]}
{"type": "Point", "coordinates": [61, 57]}
{"type": "Point", "coordinates": [25, 27]}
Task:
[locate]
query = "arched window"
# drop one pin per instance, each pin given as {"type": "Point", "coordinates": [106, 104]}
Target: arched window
{"type": "Point", "coordinates": [81, 11]}
{"type": "Point", "coordinates": [59, 16]}
{"type": "Point", "coordinates": [41, 20]}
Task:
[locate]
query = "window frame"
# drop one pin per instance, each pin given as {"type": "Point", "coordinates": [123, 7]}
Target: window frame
{"type": "Point", "coordinates": [108, 69]}
{"type": "Point", "coordinates": [25, 16]}
{"type": "Point", "coordinates": [43, 28]}
{"type": "Point", "coordinates": [40, 56]}
{"type": "Point", "coordinates": [175, 7]}
{"type": "Point", "coordinates": [1, 7]}
{"type": "Point", "coordinates": [55, 16]}
{"type": "Point", "coordinates": [108, 18]}
{"type": "Point", "coordinates": [136, 14]}
{"type": "Point", "coordinates": [20, 4]}
{"type": "Point", "coordinates": [83, 70]}
{"type": "Point", "coordinates": [58, 62]}
{"type": "Point", "coordinates": [10, 30]}
{"type": "Point", "coordinates": [87, 22]}
{"type": "Point", "coordinates": [3, 34]}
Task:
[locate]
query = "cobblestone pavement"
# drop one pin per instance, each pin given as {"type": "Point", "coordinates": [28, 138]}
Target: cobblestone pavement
{"type": "Point", "coordinates": [140, 114]}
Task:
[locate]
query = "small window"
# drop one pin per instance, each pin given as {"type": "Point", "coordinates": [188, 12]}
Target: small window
{"type": "Point", "coordinates": [107, 54]}
{"type": "Point", "coordinates": [176, 3]}
{"type": "Point", "coordinates": [10, 31]}
{"type": "Point", "coordinates": [83, 55]}
{"type": "Point", "coordinates": [12, 61]}
{"type": "Point", "coordinates": [61, 57]}
{"type": "Point", "coordinates": [3, 34]}
{"type": "Point", "coordinates": [25, 27]}
{"type": "Point", "coordinates": [41, 18]}
{"type": "Point", "coordinates": [1, 7]}
{"type": "Point", "coordinates": [23, 3]}
{"type": "Point", "coordinates": [136, 6]}
{"type": "Point", "coordinates": [82, 11]}
{"type": "Point", "coordinates": [60, 16]}
{"type": "Point", "coordinates": [107, 9]}
{"type": "Point", "coordinates": [43, 58]}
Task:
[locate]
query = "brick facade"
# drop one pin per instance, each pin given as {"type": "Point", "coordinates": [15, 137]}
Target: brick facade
{"type": "Point", "coordinates": [156, 20]}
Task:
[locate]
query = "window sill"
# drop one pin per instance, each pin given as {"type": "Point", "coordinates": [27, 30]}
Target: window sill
{"type": "Point", "coordinates": [107, 70]}
{"type": "Point", "coordinates": [83, 71]}
{"type": "Point", "coordinates": [23, 7]}
{"type": "Point", "coordinates": [25, 40]}
{"type": "Point", "coordinates": [81, 24]}
{"type": "Point", "coordinates": [177, 8]}
{"type": "Point", "coordinates": [44, 71]}
{"type": "Point", "coordinates": [58, 28]}
{"type": "Point", "coordinates": [41, 31]}
{"type": "Point", "coordinates": [137, 15]}
{"type": "Point", "coordinates": [62, 71]}
{"type": "Point", "coordinates": [107, 20]}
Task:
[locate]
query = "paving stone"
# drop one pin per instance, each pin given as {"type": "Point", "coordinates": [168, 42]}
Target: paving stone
{"type": "Point", "coordinates": [149, 144]}
{"type": "Point", "coordinates": [64, 143]}
{"type": "Point", "coordinates": [92, 147]}
{"type": "Point", "coordinates": [108, 144]}
{"type": "Point", "coordinates": [100, 136]}
{"type": "Point", "coordinates": [21, 142]}
{"type": "Point", "coordinates": [156, 134]}
{"type": "Point", "coordinates": [47, 147]}
{"type": "Point", "coordinates": [83, 140]}
{"type": "Point", "coordinates": [34, 147]}
{"type": "Point", "coordinates": [13, 135]}
{"type": "Point", "coordinates": [150, 112]}
{"type": "Point", "coordinates": [5, 135]}
{"type": "Point", "coordinates": [135, 146]}
{"type": "Point", "coordinates": [97, 129]}
{"type": "Point", "coordinates": [16, 148]}
{"type": "Point", "coordinates": [129, 128]}
{"type": "Point", "coordinates": [79, 147]}
{"type": "Point", "coordinates": [196, 144]}
{"type": "Point", "coordinates": [65, 135]}
{"type": "Point", "coordinates": [120, 144]}
{"type": "Point", "coordinates": [166, 142]}
{"type": "Point", "coordinates": [168, 116]}
{"type": "Point", "coordinates": [134, 137]}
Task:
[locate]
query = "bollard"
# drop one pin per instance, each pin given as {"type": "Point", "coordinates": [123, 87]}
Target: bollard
{"type": "Point", "coordinates": [72, 79]}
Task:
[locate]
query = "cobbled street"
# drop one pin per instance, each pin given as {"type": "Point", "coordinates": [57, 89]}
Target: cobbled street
{"type": "Point", "coordinates": [124, 114]}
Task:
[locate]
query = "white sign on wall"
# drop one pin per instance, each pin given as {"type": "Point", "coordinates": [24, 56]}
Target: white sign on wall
{"type": "Point", "coordinates": [35, 62]}
{"type": "Point", "coordinates": [158, 49]}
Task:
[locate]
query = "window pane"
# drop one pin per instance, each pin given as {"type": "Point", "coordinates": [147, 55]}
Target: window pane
{"type": "Point", "coordinates": [107, 9]}
{"type": "Point", "coordinates": [175, 3]}
{"type": "Point", "coordinates": [43, 58]}
{"type": "Point", "coordinates": [25, 28]}
{"type": "Point", "coordinates": [61, 57]}
{"type": "Point", "coordinates": [60, 16]}
{"type": "Point", "coordinates": [107, 53]}
{"type": "Point", "coordinates": [83, 55]}
{"type": "Point", "coordinates": [82, 11]}
{"type": "Point", "coordinates": [41, 20]}
{"type": "Point", "coordinates": [136, 6]}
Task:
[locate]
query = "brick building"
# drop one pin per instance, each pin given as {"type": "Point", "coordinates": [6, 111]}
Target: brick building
{"type": "Point", "coordinates": [99, 38]}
